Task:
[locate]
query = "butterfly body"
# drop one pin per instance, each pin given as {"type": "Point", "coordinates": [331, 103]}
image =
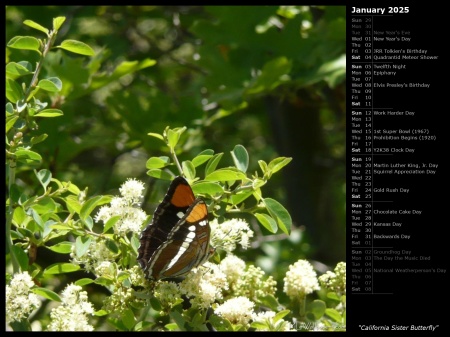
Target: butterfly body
{"type": "Point", "coordinates": [177, 239]}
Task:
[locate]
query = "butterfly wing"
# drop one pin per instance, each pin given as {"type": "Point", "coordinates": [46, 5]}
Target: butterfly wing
{"type": "Point", "coordinates": [176, 202]}
{"type": "Point", "coordinates": [177, 239]}
{"type": "Point", "coordinates": [187, 246]}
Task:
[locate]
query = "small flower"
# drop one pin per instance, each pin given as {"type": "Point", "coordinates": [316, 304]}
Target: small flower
{"type": "Point", "coordinates": [71, 315]}
{"type": "Point", "coordinates": [132, 190]}
{"type": "Point", "coordinates": [233, 268]}
{"type": "Point", "coordinates": [238, 310]}
{"type": "Point", "coordinates": [254, 285]}
{"type": "Point", "coordinates": [126, 207]}
{"type": "Point", "coordinates": [94, 257]}
{"type": "Point", "coordinates": [335, 281]}
{"type": "Point", "coordinates": [20, 302]}
{"type": "Point", "coordinates": [120, 300]}
{"type": "Point", "coordinates": [168, 294]}
{"type": "Point", "coordinates": [267, 322]}
{"type": "Point", "coordinates": [204, 285]}
{"type": "Point", "coordinates": [300, 280]}
{"type": "Point", "coordinates": [228, 234]}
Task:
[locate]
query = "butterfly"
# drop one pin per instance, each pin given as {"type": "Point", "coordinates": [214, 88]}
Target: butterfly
{"type": "Point", "coordinates": [177, 238]}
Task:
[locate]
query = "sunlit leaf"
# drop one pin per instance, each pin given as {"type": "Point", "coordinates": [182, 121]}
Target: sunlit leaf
{"type": "Point", "coordinates": [240, 157]}
{"type": "Point", "coordinates": [61, 268]}
{"type": "Point", "coordinates": [35, 25]}
{"type": "Point", "coordinates": [76, 47]}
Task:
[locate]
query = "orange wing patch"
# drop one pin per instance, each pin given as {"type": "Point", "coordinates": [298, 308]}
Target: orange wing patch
{"type": "Point", "coordinates": [183, 196]}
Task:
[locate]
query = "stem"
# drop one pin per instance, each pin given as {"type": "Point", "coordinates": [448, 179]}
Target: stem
{"type": "Point", "coordinates": [9, 216]}
{"type": "Point", "coordinates": [302, 306]}
{"type": "Point", "coordinates": [48, 45]}
{"type": "Point", "coordinates": [175, 159]}
{"type": "Point", "coordinates": [12, 161]}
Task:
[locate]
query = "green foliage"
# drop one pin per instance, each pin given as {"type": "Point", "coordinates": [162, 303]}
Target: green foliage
{"type": "Point", "coordinates": [53, 231]}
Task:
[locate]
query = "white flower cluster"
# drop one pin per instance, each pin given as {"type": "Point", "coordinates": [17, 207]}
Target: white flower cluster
{"type": "Point", "coordinates": [20, 302]}
{"type": "Point", "coordinates": [204, 285]}
{"type": "Point", "coordinates": [71, 315]}
{"type": "Point", "coordinates": [228, 234]}
{"type": "Point", "coordinates": [97, 259]}
{"type": "Point", "coordinates": [300, 279]}
{"type": "Point", "coordinates": [238, 310]}
{"type": "Point", "coordinates": [335, 281]}
{"type": "Point", "coordinates": [126, 207]}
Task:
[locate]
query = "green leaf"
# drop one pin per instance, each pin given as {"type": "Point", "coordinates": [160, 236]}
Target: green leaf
{"type": "Point", "coordinates": [64, 247]}
{"type": "Point", "coordinates": [89, 222]}
{"type": "Point", "coordinates": [38, 139]}
{"type": "Point", "coordinates": [44, 177]}
{"type": "Point", "coordinates": [239, 197]}
{"type": "Point", "coordinates": [220, 323]}
{"type": "Point", "coordinates": [51, 84]}
{"type": "Point", "coordinates": [14, 92]}
{"type": "Point", "coordinates": [206, 187]}
{"type": "Point", "coordinates": [260, 326]}
{"type": "Point", "coordinates": [188, 169]}
{"type": "Point", "coordinates": [317, 308]}
{"type": "Point", "coordinates": [35, 25]}
{"type": "Point", "coordinates": [122, 276]}
{"type": "Point", "coordinates": [49, 113]}
{"type": "Point", "coordinates": [128, 319]}
{"type": "Point", "coordinates": [103, 281]}
{"type": "Point", "coordinates": [334, 315]}
{"type": "Point", "coordinates": [24, 42]}
{"type": "Point", "coordinates": [155, 303]}
{"type": "Point", "coordinates": [46, 293]}
{"type": "Point", "coordinates": [84, 281]}
{"type": "Point", "coordinates": [240, 158]}
{"type": "Point", "coordinates": [61, 268]}
{"type": "Point", "coordinates": [202, 157]}
{"type": "Point", "coordinates": [57, 22]}
{"type": "Point", "coordinates": [22, 325]}
{"type": "Point", "coordinates": [15, 70]}
{"type": "Point", "coordinates": [278, 163]}
{"type": "Point", "coordinates": [89, 205]}
{"type": "Point", "coordinates": [156, 135]}
{"type": "Point", "coordinates": [171, 326]}
{"type": "Point", "coordinates": [278, 212]}
{"type": "Point", "coordinates": [19, 216]}
{"type": "Point", "coordinates": [212, 163]}
{"type": "Point", "coordinates": [112, 246]}
{"type": "Point", "coordinates": [179, 320]}
{"type": "Point", "coordinates": [269, 301]}
{"type": "Point", "coordinates": [45, 205]}
{"type": "Point", "coordinates": [9, 108]}
{"type": "Point", "coordinates": [82, 245]}
{"type": "Point", "coordinates": [225, 174]}
{"type": "Point", "coordinates": [160, 174]}
{"type": "Point", "coordinates": [48, 227]}
{"type": "Point", "coordinates": [76, 47]}
{"type": "Point", "coordinates": [332, 295]}
{"type": "Point", "coordinates": [21, 257]}
{"type": "Point", "coordinates": [267, 221]}
{"type": "Point", "coordinates": [73, 204]}
{"type": "Point", "coordinates": [111, 222]}
{"type": "Point", "coordinates": [157, 162]}
{"type": "Point", "coordinates": [28, 157]}
{"type": "Point", "coordinates": [10, 121]}
{"type": "Point", "coordinates": [173, 136]}
{"type": "Point", "coordinates": [61, 227]}
{"type": "Point", "coordinates": [100, 312]}
{"type": "Point", "coordinates": [280, 315]}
